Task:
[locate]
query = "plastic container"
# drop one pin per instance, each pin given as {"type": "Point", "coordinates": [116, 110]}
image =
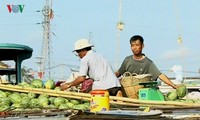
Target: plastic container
{"type": "Point", "coordinates": [99, 101]}
{"type": "Point", "coordinates": [150, 92]}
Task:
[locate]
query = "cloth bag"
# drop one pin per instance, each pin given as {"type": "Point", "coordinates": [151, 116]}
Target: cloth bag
{"type": "Point", "coordinates": [87, 85]}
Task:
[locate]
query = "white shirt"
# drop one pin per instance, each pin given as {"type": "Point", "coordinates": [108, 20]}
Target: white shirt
{"type": "Point", "coordinates": [98, 69]}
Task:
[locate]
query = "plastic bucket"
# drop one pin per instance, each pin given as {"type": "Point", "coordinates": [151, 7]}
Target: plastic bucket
{"type": "Point", "coordinates": [99, 101]}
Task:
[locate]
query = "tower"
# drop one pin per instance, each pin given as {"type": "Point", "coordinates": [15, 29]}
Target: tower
{"type": "Point", "coordinates": [46, 44]}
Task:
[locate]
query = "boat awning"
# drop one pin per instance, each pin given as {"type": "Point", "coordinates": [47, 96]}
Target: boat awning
{"type": "Point", "coordinates": [10, 51]}
{"type": "Point", "coordinates": [16, 52]}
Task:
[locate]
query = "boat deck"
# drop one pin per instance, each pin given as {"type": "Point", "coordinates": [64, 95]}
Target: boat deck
{"type": "Point", "coordinates": [167, 114]}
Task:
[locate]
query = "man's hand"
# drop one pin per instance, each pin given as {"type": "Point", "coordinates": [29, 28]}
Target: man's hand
{"type": "Point", "coordinates": [75, 82]}
{"type": "Point", "coordinates": [117, 74]}
{"type": "Point", "coordinates": [175, 86]}
{"type": "Point", "coordinates": [65, 86]}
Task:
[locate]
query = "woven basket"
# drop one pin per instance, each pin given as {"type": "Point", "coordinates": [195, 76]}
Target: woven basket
{"type": "Point", "coordinates": [130, 83]}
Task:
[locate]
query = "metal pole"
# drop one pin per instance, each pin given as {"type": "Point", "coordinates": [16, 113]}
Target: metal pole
{"type": "Point", "coordinates": [120, 26]}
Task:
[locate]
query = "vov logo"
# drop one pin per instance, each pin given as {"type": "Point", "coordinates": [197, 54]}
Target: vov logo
{"type": "Point", "coordinates": [15, 8]}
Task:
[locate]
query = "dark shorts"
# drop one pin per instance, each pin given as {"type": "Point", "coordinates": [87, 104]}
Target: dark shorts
{"type": "Point", "coordinates": [113, 91]}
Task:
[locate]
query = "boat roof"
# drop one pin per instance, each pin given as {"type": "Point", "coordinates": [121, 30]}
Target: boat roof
{"type": "Point", "coordinates": [11, 51]}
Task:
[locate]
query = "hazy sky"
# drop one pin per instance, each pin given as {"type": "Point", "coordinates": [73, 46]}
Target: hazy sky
{"type": "Point", "coordinates": [159, 22]}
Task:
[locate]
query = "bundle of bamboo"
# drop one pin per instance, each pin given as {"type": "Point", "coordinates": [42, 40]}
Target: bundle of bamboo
{"type": "Point", "coordinates": [113, 99]}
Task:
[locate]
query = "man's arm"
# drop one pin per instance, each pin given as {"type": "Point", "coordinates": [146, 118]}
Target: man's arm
{"type": "Point", "coordinates": [117, 74]}
{"type": "Point", "coordinates": [166, 80]}
{"type": "Point", "coordinates": [77, 81]}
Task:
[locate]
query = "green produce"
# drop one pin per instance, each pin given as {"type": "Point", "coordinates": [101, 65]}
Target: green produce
{"type": "Point", "coordinates": [4, 108]}
{"type": "Point", "coordinates": [33, 86]}
{"type": "Point", "coordinates": [58, 101]}
{"type": "Point", "coordinates": [24, 84]}
{"type": "Point", "coordinates": [50, 84]}
{"type": "Point", "coordinates": [66, 100]}
{"type": "Point", "coordinates": [57, 89]}
{"type": "Point", "coordinates": [51, 100]}
{"type": "Point", "coordinates": [5, 101]}
{"type": "Point", "coordinates": [181, 91]}
{"type": "Point", "coordinates": [27, 86]}
{"type": "Point", "coordinates": [87, 103]}
{"type": "Point", "coordinates": [75, 102]}
{"type": "Point", "coordinates": [2, 94]}
{"type": "Point", "coordinates": [25, 102]}
{"type": "Point", "coordinates": [188, 101]}
{"type": "Point", "coordinates": [80, 107]}
{"type": "Point", "coordinates": [17, 105]}
{"type": "Point", "coordinates": [15, 97]}
{"type": "Point", "coordinates": [63, 106]}
{"type": "Point", "coordinates": [34, 103]}
{"type": "Point", "coordinates": [24, 94]}
{"type": "Point", "coordinates": [172, 95]}
{"type": "Point", "coordinates": [32, 95]}
{"type": "Point", "coordinates": [37, 83]}
{"type": "Point", "coordinates": [7, 93]}
{"type": "Point", "coordinates": [43, 95]}
{"type": "Point", "coordinates": [196, 100]}
{"type": "Point", "coordinates": [43, 102]}
{"type": "Point", "coordinates": [71, 105]}
{"type": "Point", "coordinates": [51, 106]}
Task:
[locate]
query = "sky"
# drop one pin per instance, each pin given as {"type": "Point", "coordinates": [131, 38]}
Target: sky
{"type": "Point", "coordinates": [160, 23]}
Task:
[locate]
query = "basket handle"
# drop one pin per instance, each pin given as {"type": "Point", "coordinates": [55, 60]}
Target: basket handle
{"type": "Point", "coordinates": [127, 74]}
{"type": "Point", "coordinates": [134, 74]}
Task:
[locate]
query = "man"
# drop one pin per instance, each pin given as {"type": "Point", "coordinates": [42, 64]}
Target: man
{"type": "Point", "coordinates": [96, 67]}
{"type": "Point", "coordinates": [140, 64]}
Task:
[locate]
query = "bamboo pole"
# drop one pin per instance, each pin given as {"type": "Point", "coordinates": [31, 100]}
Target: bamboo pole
{"type": "Point", "coordinates": [142, 105]}
{"type": "Point", "coordinates": [87, 96]}
{"type": "Point", "coordinates": [46, 91]}
{"type": "Point", "coordinates": [51, 94]}
{"type": "Point", "coordinates": [153, 102]}
{"type": "Point", "coordinates": [41, 90]}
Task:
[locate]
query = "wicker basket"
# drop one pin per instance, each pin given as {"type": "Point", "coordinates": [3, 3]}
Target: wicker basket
{"type": "Point", "coordinates": [130, 83]}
